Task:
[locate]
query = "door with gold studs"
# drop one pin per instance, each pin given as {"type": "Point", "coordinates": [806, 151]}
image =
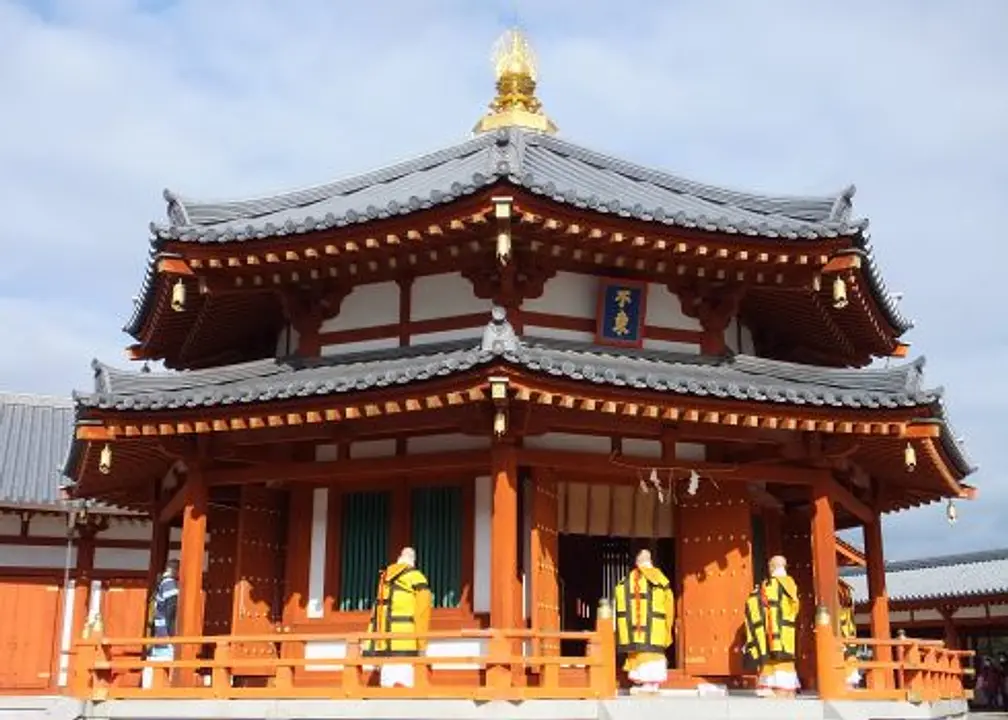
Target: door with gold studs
{"type": "Point", "coordinates": [545, 550]}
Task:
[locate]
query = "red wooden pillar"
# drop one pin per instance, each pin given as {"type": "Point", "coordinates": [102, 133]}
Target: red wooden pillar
{"type": "Point", "coordinates": [878, 597]}
{"type": "Point", "coordinates": [824, 572]}
{"type": "Point", "coordinates": [190, 606]}
{"type": "Point", "coordinates": [82, 584]}
{"type": "Point", "coordinates": [504, 537]}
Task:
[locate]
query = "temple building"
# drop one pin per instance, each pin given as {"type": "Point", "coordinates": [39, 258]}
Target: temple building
{"type": "Point", "coordinates": [527, 360]}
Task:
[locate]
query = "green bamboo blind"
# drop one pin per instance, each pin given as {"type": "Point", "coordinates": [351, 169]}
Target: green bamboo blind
{"type": "Point", "coordinates": [363, 547]}
{"type": "Point", "coordinates": [437, 537]}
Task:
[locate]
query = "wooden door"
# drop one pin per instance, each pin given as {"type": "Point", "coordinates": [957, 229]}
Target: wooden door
{"type": "Point", "coordinates": [716, 565]}
{"type": "Point", "coordinates": [30, 614]}
{"type": "Point", "coordinates": [258, 593]}
{"type": "Point", "coordinates": [797, 534]}
{"type": "Point", "coordinates": [544, 555]}
{"type": "Point", "coordinates": [222, 554]}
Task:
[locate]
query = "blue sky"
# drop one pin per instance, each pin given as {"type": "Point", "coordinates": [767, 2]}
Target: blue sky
{"type": "Point", "coordinates": [106, 102]}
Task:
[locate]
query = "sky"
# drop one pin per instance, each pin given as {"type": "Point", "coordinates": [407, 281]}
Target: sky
{"type": "Point", "coordinates": [104, 103]}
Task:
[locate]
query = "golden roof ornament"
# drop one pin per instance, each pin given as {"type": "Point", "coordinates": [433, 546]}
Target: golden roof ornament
{"type": "Point", "coordinates": [515, 104]}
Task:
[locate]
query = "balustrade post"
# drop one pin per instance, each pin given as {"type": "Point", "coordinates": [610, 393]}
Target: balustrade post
{"type": "Point", "coordinates": [498, 670]}
{"type": "Point", "coordinates": [602, 671]}
{"type": "Point", "coordinates": [352, 668]}
{"type": "Point", "coordinates": [83, 658]}
{"type": "Point", "coordinates": [220, 675]}
{"type": "Point", "coordinates": [829, 658]}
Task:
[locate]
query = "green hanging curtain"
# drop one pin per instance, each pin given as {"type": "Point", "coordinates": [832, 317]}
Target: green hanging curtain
{"type": "Point", "coordinates": [363, 547]}
{"type": "Point", "coordinates": [437, 538]}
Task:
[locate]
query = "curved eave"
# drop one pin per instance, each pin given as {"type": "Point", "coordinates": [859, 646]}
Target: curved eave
{"type": "Point", "coordinates": [887, 305]}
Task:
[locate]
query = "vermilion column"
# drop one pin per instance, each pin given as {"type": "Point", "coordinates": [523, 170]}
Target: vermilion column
{"type": "Point", "coordinates": [190, 606]}
{"type": "Point", "coordinates": [878, 598]}
{"type": "Point", "coordinates": [504, 537]}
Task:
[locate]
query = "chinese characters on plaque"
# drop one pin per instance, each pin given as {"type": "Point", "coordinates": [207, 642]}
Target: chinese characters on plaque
{"type": "Point", "coordinates": [621, 307]}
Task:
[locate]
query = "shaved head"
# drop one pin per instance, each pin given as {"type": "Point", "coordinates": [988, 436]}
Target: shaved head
{"type": "Point", "coordinates": [643, 558]}
{"type": "Point", "coordinates": [408, 556]}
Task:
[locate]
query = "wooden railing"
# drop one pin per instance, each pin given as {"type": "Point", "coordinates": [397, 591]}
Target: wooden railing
{"type": "Point", "coordinates": [516, 664]}
{"type": "Point", "coordinates": [899, 669]}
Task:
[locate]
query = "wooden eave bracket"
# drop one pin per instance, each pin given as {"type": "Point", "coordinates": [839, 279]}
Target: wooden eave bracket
{"type": "Point", "coordinates": [173, 264]}
{"type": "Point", "coordinates": [843, 260]}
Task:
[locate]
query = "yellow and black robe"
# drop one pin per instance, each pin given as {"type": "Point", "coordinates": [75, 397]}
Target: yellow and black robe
{"type": "Point", "coordinates": [847, 626]}
{"type": "Point", "coordinates": [771, 613]}
{"type": "Point", "coordinates": [645, 612]}
{"type": "Point", "coordinates": [402, 606]}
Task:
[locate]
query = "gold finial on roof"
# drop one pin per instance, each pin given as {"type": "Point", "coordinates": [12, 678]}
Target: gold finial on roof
{"type": "Point", "coordinates": [515, 104]}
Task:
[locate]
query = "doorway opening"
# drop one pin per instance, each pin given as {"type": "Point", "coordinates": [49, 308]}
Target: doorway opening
{"type": "Point", "coordinates": [588, 570]}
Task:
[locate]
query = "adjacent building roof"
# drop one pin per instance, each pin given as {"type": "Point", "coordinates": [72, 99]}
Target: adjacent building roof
{"type": "Point", "coordinates": [542, 164]}
{"type": "Point", "coordinates": [35, 432]}
{"type": "Point", "coordinates": [960, 576]}
{"type": "Point", "coordinates": [739, 377]}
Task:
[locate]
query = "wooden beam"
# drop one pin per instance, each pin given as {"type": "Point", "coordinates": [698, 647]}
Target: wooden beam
{"type": "Point", "coordinates": [176, 503]}
{"type": "Point", "coordinates": [337, 470]}
{"type": "Point", "coordinates": [600, 464]}
{"type": "Point", "coordinates": [846, 499]}
{"type": "Point", "coordinates": [173, 266]}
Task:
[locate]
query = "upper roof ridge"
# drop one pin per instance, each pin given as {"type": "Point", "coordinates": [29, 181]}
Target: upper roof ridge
{"type": "Point", "coordinates": [815, 208]}
{"type": "Point", "coordinates": [35, 399]}
{"type": "Point", "coordinates": [184, 210]}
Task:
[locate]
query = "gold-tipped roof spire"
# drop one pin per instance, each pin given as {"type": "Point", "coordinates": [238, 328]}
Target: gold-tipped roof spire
{"type": "Point", "coordinates": [515, 104]}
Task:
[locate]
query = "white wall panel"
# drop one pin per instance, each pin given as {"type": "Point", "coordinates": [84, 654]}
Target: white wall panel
{"type": "Point", "coordinates": [366, 306]}
{"type": "Point", "coordinates": [664, 310]}
{"type": "Point", "coordinates": [445, 295]}
{"type": "Point", "coordinates": [481, 544]}
{"type": "Point", "coordinates": [567, 294]}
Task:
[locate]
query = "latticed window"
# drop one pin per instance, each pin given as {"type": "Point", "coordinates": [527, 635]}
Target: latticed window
{"type": "Point", "coordinates": [437, 537]}
{"type": "Point", "coordinates": [363, 547]}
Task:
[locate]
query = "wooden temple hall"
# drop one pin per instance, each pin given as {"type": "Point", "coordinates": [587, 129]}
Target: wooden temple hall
{"type": "Point", "coordinates": [527, 360]}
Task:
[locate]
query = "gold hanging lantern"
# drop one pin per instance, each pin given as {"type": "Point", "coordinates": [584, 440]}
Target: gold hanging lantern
{"type": "Point", "coordinates": [910, 457]}
{"type": "Point", "coordinates": [178, 296]}
{"type": "Point", "coordinates": [105, 460]}
{"type": "Point", "coordinates": [839, 293]}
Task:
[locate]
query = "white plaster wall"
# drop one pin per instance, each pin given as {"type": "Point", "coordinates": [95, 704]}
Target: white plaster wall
{"type": "Point", "coordinates": [567, 293]}
{"type": "Point", "coordinates": [570, 442]}
{"type": "Point", "coordinates": [10, 524]}
{"type": "Point", "coordinates": [372, 449]}
{"type": "Point", "coordinates": [664, 310]}
{"type": "Point", "coordinates": [641, 448]}
{"type": "Point", "coordinates": [927, 615]}
{"type": "Point", "coordinates": [973, 612]}
{"type": "Point", "coordinates": [691, 451]}
{"type": "Point", "coordinates": [317, 553]}
{"type": "Point", "coordinates": [474, 333]}
{"type": "Point", "coordinates": [738, 337]}
{"type": "Point", "coordinates": [999, 610]}
{"type": "Point", "coordinates": [287, 341]}
{"type": "Point", "coordinates": [326, 453]}
{"type": "Point", "coordinates": [445, 648]}
{"type": "Point", "coordinates": [366, 306]}
{"type": "Point", "coordinates": [127, 530]}
{"type": "Point", "coordinates": [671, 347]}
{"type": "Point", "coordinates": [48, 526]}
{"type": "Point", "coordinates": [36, 556]}
{"type": "Point", "coordinates": [361, 346]}
{"type": "Point", "coordinates": [535, 331]}
{"type": "Point", "coordinates": [121, 558]}
{"type": "Point", "coordinates": [446, 442]}
{"type": "Point", "coordinates": [481, 544]}
{"type": "Point", "coordinates": [444, 295]}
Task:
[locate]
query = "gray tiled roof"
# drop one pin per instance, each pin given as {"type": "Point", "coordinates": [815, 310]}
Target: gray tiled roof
{"type": "Point", "coordinates": [740, 377]}
{"type": "Point", "coordinates": [947, 576]}
{"type": "Point", "coordinates": [542, 164]}
{"type": "Point", "coordinates": [35, 432]}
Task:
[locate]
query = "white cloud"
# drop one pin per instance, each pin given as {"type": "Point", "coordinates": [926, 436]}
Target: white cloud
{"type": "Point", "coordinates": [105, 103]}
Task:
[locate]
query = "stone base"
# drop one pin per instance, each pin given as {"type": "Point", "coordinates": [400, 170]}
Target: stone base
{"type": "Point", "coordinates": [736, 706]}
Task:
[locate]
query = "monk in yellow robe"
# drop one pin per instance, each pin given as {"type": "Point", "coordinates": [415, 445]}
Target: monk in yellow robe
{"type": "Point", "coordinates": [771, 615]}
{"type": "Point", "coordinates": [402, 606]}
{"type": "Point", "coordinates": [847, 630]}
{"type": "Point", "coordinates": [645, 612]}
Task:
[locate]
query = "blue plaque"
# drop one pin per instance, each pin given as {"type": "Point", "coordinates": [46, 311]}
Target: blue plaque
{"type": "Point", "coordinates": [620, 314]}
